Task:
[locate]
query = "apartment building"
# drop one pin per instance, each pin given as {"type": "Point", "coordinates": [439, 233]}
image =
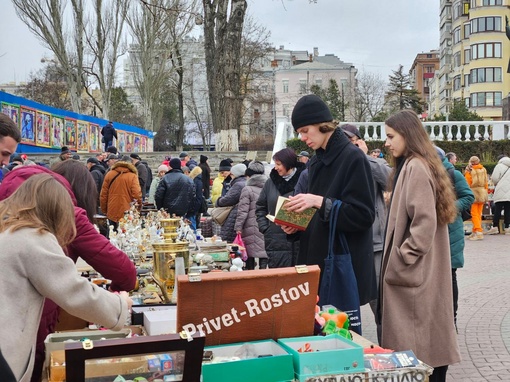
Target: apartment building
{"type": "Point", "coordinates": [422, 72]}
{"type": "Point", "coordinates": [474, 57]}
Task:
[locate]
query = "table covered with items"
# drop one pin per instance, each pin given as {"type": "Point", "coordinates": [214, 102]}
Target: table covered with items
{"type": "Point", "coordinates": [198, 316]}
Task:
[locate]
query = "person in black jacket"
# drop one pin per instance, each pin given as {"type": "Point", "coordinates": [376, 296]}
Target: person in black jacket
{"type": "Point", "coordinates": [142, 172]}
{"type": "Point", "coordinates": [338, 171]}
{"type": "Point", "coordinates": [282, 181]}
{"type": "Point", "coordinates": [108, 132]}
{"type": "Point", "coordinates": [206, 176]}
{"type": "Point", "coordinates": [176, 191]}
{"type": "Point", "coordinates": [97, 171]}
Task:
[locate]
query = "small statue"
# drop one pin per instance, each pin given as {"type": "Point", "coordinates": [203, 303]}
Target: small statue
{"type": "Point", "coordinates": [237, 265]}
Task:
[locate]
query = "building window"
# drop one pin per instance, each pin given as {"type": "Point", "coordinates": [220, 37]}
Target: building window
{"type": "Point", "coordinates": [264, 107]}
{"type": "Point", "coordinates": [302, 86]}
{"type": "Point", "coordinates": [456, 59]}
{"type": "Point", "coordinates": [285, 109]}
{"type": "Point", "coordinates": [318, 82]}
{"type": "Point", "coordinates": [263, 88]}
{"type": "Point", "coordinates": [285, 86]}
{"type": "Point", "coordinates": [485, 75]}
{"type": "Point", "coordinates": [485, 99]}
{"type": "Point", "coordinates": [456, 35]}
{"type": "Point", "coordinates": [489, 50]}
{"type": "Point", "coordinates": [492, 2]}
{"type": "Point", "coordinates": [456, 83]}
{"type": "Point", "coordinates": [429, 69]}
{"type": "Point", "coordinates": [467, 56]}
{"type": "Point", "coordinates": [467, 30]}
{"type": "Point", "coordinates": [466, 80]}
{"type": "Point", "coordinates": [485, 24]}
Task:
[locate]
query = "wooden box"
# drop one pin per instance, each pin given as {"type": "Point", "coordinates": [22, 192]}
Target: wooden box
{"type": "Point", "coordinates": [105, 360]}
{"type": "Point", "coordinates": [230, 307]}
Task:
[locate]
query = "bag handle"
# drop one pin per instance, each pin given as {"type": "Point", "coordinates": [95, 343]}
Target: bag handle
{"type": "Point", "coordinates": [344, 247]}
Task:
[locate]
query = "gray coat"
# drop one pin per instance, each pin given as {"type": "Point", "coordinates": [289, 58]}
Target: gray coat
{"type": "Point", "coordinates": [380, 173]}
{"type": "Point", "coordinates": [231, 198]}
{"type": "Point", "coordinates": [246, 221]}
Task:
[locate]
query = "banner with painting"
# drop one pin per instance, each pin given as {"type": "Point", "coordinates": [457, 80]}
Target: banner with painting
{"type": "Point", "coordinates": [83, 136]}
{"type": "Point", "coordinates": [121, 143]}
{"type": "Point", "coordinates": [12, 111]}
{"type": "Point", "coordinates": [43, 129]}
{"type": "Point", "coordinates": [94, 145]}
{"type": "Point", "coordinates": [27, 118]}
{"type": "Point", "coordinates": [57, 133]}
{"type": "Point", "coordinates": [70, 134]}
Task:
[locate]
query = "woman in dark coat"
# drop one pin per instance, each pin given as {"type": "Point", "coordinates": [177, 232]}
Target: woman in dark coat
{"type": "Point", "coordinates": [246, 221]}
{"type": "Point", "coordinates": [282, 181]}
{"type": "Point", "coordinates": [339, 170]}
{"type": "Point", "coordinates": [206, 176]}
{"type": "Point", "coordinates": [231, 198]}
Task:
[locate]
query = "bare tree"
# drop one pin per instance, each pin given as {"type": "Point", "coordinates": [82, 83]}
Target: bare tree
{"type": "Point", "coordinates": [223, 26]}
{"type": "Point", "coordinates": [149, 56]}
{"type": "Point", "coordinates": [106, 45]}
{"type": "Point", "coordinates": [255, 47]}
{"type": "Point", "coordinates": [45, 18]}
{"type": "Point", "coordinates": [369, 96]}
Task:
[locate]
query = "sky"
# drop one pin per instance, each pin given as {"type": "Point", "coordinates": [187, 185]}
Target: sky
{"type": "Point", "coordinates": [374, 35]}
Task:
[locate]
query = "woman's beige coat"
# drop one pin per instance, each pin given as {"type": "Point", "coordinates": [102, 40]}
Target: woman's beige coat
{"type": "Point", "coordinates": [416, 283]}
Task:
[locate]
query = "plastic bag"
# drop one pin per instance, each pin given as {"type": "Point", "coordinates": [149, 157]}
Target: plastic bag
{"type": "Point", "coordinates": [239, 241]}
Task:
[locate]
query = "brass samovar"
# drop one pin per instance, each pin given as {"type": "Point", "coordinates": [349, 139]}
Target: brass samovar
{"type": "Point", "coordinates": [164, 253]}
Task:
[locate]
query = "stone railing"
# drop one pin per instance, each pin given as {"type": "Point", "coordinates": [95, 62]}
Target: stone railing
{"type": "Point", "coordinates": [446, 131]}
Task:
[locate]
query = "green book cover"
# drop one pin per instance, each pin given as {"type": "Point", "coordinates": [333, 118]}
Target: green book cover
{"type": "Point", "coordinates": [298, 220]}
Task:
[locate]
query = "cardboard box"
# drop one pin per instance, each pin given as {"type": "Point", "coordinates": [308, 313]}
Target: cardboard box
{"type": "Point", "coordinates": [137, 311]}
{"type": "Point", "coordinates": [230, 307]}
{"type": "Point", "coordinates": [160, 321]}
{"type": "Point", "coordinates": [267, 362]}
{"type": "Point", "coordinates": [331, 354]}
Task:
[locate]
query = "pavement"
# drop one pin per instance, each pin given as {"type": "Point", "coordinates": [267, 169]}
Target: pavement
{"type": "Point", "coordinates": [483, 317]}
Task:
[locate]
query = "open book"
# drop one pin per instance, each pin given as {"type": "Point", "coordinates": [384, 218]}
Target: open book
{"type": "Point", "coordinates": [298, 220]}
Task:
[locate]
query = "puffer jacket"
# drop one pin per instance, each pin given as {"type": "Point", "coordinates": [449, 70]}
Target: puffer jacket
{"type": "Point", "coordinates": [216, 188]}
{"type": "Point", "coordinates": [175, 193]}
{"type": "Point", "coordinates": [246, 221]}
{"type": "Point", "coordinates": [501, 179]}
{"type": "Point", "coordinates": [465, 198]}
{"type": "Point", "coordinates": [117, 195]}
{"type": "Point", "coordinates": [281, 252]}
{"type": "Point", "coordinates": [231, 198]}
{"type": "Point", "coordinates": [88, 244]}
{"type": "Point", "coordinates": [478, 181]}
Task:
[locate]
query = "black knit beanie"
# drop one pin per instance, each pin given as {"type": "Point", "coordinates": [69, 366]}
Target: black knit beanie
{"type": "Point", "coordinates": [310, 110]}
{"type": "Point", "coordinates": [225, 165]}
{"type": "Point", "coordinates": [203, 158]}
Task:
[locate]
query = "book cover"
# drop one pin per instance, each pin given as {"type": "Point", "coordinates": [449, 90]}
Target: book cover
{"type": "Point", "coordinates": [390, 361]}
{"type": "Point", "coordinates": [298, 220]}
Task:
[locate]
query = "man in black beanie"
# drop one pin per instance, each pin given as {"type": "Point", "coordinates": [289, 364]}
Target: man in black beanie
{"type": "Point", "coordinates": [337, 171]}
{"type": "Point", "coordinates": [175, 191]}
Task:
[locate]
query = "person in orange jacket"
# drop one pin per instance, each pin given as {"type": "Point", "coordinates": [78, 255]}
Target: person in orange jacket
{"type": "Point", "coordinates": [476, 176]}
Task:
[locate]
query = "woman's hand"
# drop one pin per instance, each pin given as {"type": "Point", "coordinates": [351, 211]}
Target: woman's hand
{"type": "Point", "coordinates": [288, 230]}
{"type": "Point", "coordinates": [301, 202]}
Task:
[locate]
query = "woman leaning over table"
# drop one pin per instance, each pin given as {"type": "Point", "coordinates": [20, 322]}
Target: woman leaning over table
{"type": "Point", "coordinates": [37, 222]}
{"type": "Point", "coordinates": [416, 286]}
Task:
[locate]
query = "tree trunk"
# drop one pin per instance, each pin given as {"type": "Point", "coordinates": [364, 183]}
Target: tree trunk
{"type": "Point", "coordinates": [222, 35]}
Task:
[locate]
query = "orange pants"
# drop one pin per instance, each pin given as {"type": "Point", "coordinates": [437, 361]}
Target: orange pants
{"type": "Point", "coordinates": [476, 216]}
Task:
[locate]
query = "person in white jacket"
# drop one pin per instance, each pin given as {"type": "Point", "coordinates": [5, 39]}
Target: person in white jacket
{"type": "Point", "coordinates": [501, 179]}
{"type": "Point", "coordinates": [37, 221]}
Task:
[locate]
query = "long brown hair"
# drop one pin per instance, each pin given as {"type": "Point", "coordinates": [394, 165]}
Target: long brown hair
{"type": "Point", "coordinates": [418, 145]}
{"type": "Point", "coordinates": [41, 202]}
{"type": "Point", "coordinates": [83, 184]}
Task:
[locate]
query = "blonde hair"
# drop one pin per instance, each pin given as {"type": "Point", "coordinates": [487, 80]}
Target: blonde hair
{"type": "Point", "coordinates": [418, 145]}
{"type": "Point", "coordinates": [41, 202]}
{"type": "Point", "coordinates": [196, 171]}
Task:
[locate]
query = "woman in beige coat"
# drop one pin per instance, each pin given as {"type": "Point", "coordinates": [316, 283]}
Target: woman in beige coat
{"type": "Point", "coordinates": [416, 286]}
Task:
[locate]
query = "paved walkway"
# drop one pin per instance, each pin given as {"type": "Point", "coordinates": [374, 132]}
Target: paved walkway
{"type": "Point", "coordinates": [483, 318]}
